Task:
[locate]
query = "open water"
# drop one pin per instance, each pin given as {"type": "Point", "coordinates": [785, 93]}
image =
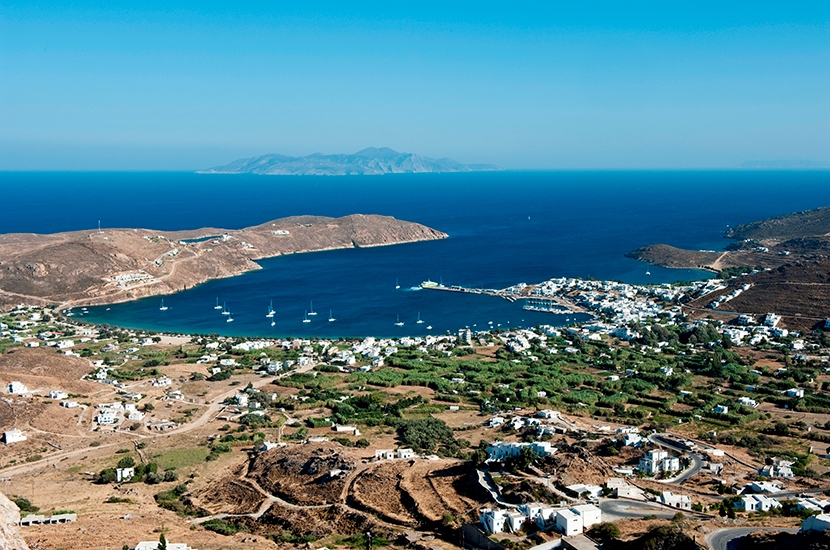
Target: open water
{"type": "Point", "coordinates": [504, 227]}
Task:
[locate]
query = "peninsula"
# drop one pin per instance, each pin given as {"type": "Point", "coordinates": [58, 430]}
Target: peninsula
{"type": "Point", "coordinates": [768, 243]}
{"type": "Point", "coordinates": [780, 264]}
{"type": "Point", "coordinates": [370, 161]}
{"type": "Point", "coordinates": [118, 265]}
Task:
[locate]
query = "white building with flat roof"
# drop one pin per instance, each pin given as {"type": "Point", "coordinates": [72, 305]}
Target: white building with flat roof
{"type": "Point", "coordinates": [590, 514]}
{"type": "Point", "coordinates": [18, 388]}
{"type": "Point", "coordinates": [681, 502]}
{"type": "Point", "coordinates": [13, 436]}
{"type": "Point", "coordinates": [657, 461]}
{"type": "Point", "coordinates": [500, 450]}
{"type": "Point", "coordinates": [568, 522]}
{"type": "Point", "coordinates": [757, 503]}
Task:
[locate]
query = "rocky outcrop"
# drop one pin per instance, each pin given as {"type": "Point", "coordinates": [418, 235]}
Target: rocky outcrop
{"type": "Point", "coordinates": [10, 538]}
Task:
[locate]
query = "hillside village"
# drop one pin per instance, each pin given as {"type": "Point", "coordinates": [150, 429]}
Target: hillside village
{"type": "Point", "coordinates": [574, 436]}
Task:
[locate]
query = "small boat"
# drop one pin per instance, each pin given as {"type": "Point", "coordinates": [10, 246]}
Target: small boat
{"type": "Point", "coordinates": [305, 318]}
{"type": "Point", "coordinates": [217, 306]}
{"type": "Point", "coordinates": [648, 272]}
{"type": "Point", "coordinates": [225, 309]}
{"type": "Point", "coordinates": [399, 323]}
{"type": "Point", "coordinates": [311, 309]}
{"type": "Point", "coordinates": [419, 321]}
{"type": "Point", "coordinates": [270, 309]}
{"type": "Point", "coordinates": [331, 317]}
{"type": "Point", "coordinates": [229, 319]}
{"type": "Point", "coordinates": [397, 285]}
{"type": "Point", "coordinates": [108, 309]}
{"type": "Point", "coordinates": [273, 323]}
{"type": "Point", "coordinates": [163, 307]}
{"type": "Point", "coordinates": [429, 327]}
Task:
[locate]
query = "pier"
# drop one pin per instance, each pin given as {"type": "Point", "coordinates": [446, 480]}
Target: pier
{"type": "Point", "coordinates": [549, 304]}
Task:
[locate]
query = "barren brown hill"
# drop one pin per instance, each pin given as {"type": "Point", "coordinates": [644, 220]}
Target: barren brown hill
{"type": "Point", "coordinates": [806, 223]}
{"type": "Point", "coordinates": [799, 292]}
{"type": "Point", "coordinates": [325, 488]}
{"type": "Point", "coordinates": [116, 265]}
{"type": "Point", "coordinates": [303, 476]}
{"type": "Point", "coordinates": [768, 243]}
{"type": "Point", "coordinates": [670, 256]}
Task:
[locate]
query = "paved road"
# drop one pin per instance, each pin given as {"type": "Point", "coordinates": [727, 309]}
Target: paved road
{"type": "Point", "coordinates": [697, 460]}
{"type": "Point", "coordinates": [724, 539]}
{"type": "Point", "coordinates": [614, 509]}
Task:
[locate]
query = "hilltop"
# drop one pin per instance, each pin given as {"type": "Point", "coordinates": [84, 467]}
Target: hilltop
{"type": "Point", "coordinates": [117, 265]}
{"type": "Point", "coordinates": [784, 262]}
{"type": "Point", "coordinates": [768, 243]}
{"type": "Point", "coordinates": [370, 161]}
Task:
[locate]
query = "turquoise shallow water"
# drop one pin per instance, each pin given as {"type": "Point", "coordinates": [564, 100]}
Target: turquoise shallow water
{"type": "Point", "coordinates": [504, 228]}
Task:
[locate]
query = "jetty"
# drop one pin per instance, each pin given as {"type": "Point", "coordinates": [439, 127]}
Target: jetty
{"type": "Point", "coordinates": [536, 302]}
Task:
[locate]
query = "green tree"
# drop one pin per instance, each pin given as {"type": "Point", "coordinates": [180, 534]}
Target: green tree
{"type": "Point", "coordinates": [162, 542]}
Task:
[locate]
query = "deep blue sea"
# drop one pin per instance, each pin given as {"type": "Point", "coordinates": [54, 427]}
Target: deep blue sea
{"type": "Point", "coordinates": [504, 227]}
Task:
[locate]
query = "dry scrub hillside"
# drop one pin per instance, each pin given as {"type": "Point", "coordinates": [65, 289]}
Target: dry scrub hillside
{"type": "Point", "coordinates": [799, 292]}
{"type": "Point", "coordinates": [304, 475]}
{"type": "Point", "coordinates": [418, 493]}
{"type": "Point", "coordinates": [326, 488]}
{"type": "Point", "coordinates": [75, 266]}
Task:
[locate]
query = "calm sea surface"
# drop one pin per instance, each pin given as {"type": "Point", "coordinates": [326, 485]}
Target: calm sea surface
{"type": "Point", "coordinates": [504, 228]}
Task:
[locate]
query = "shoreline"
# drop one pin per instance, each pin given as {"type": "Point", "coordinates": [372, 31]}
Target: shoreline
{"type": "Point", "coordinates": [121, 265]}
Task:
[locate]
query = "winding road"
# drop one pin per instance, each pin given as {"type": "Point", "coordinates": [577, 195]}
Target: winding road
{"type": "Point", "coordinates": [724, 539]}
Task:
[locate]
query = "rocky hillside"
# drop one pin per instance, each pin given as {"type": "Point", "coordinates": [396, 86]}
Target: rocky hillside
{"type": "Point", "coordinates": [807, 223]}
{"type": "Point", "coordinates": [371, 161]}
{"type": "Point", "coordinates": [115, 265]}
{"type": "Point", "coordinates": [10, 537]}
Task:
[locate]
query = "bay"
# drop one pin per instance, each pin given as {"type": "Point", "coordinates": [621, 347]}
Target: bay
{"type": "Point", "coordinates": [504, 227]}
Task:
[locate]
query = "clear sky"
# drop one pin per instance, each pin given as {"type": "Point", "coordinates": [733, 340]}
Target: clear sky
{"type": "Point", "coordinates": [535, 85]}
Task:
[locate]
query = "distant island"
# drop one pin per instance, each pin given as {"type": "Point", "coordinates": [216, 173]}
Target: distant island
{"type": "Point", "coordinates": [117, 265]}
{"type": "Point", "coordinates": [370, 161]}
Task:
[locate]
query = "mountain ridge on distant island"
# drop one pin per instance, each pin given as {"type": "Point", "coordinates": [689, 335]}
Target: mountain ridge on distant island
{"type": "Point", "coordinates": [369, 161]}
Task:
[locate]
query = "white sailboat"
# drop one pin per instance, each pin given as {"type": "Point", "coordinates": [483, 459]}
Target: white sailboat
{"type": "Point", "coordinates": [331, 317]}
{"type": "Point", "coordinates": [429, 327]}
{"type": "Point", "coordinates": [305, 318]}
{"type": "Point", "coordinates": [273, 323]}
{"type": "Point", "coordinates": [311, 309]}
{"type": "Point", "coordinates": [397, 285]}
{"type": "Point", "coordinates": [270, 309]}
{"type": "Point", "coordinates": [399, 323]}
{"type": "Point", "coordinates": [217, 306]}
{"type": "Point", "coordinates": [229, 319]}
{"type": "Point", "coordinates": [419, 321]}
{"type": "Point", "coordinates": [163, 307]}
{"type": "Point", "coordinates": [225, 309]}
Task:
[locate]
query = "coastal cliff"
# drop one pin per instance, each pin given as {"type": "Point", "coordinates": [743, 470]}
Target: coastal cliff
{"type": "Point", "coordinates": [117, 265]}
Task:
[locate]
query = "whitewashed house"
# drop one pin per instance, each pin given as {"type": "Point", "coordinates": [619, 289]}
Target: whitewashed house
{"type": "Point", "coordinates": [13, 436]}
{"type": "Point", "coordinates": [658, 461]}
{"type": "Point", "coordinates": [682, 502]}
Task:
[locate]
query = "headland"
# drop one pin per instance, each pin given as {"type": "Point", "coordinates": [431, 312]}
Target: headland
{"type": "Point", "coordinates": [116, 265]}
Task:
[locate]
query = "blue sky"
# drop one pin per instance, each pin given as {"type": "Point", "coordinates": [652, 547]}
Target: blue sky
{"type": "Point", "coordinates": [526, 85]}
